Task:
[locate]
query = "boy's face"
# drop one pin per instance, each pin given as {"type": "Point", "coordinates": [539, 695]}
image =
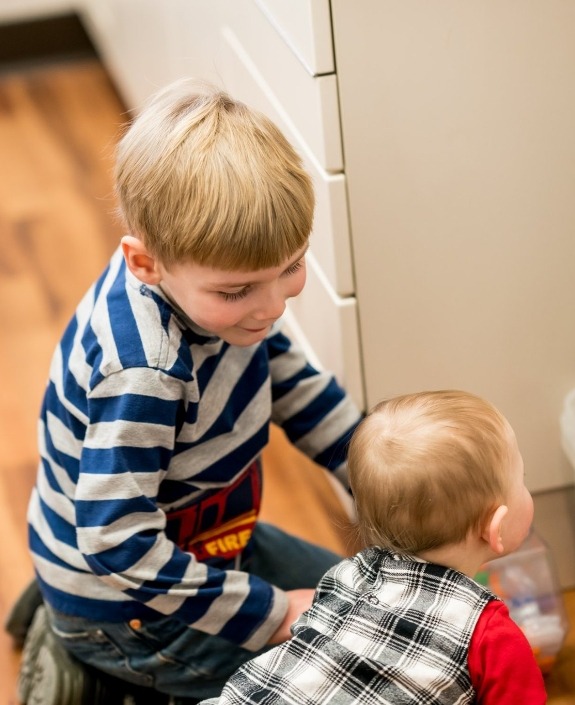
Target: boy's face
{"type": "Point", "coordinates": [239, 307]}
{"type": "Point", "coordinates": [517, 522]}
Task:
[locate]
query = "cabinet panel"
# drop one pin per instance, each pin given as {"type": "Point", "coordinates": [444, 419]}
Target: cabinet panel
{"type": "Point", "coordinates": [306, 27]}
{"type": "Point", "coordinates": [457, 122]}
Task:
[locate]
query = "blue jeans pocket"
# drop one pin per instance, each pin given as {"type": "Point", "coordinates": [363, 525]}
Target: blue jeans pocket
{"type": "Point", "coordinates": [163, 654]}
{"type": "Point", "coordinates": [97, 645]}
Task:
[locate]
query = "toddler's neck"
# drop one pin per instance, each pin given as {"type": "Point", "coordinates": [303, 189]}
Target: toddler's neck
{"type": "Point", "coordinates": [466, 556]}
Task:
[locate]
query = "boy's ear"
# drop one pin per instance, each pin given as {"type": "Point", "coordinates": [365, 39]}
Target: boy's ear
{"type": "Point", "coordinates": [139, 261]}
{"type": "Point", "coordinates": [492, 532]}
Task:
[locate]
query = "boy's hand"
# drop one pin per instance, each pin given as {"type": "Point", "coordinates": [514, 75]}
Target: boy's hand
{"type": "Point", "coordinates": [298, 602]}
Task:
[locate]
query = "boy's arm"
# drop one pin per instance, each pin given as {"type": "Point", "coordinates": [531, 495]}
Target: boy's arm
{"type": "Point", "coordinates": [299, 601]}
{"type": "Point", "coordinates": [501, 663]}
{"type": "Point", "coordinates": [317, 415]}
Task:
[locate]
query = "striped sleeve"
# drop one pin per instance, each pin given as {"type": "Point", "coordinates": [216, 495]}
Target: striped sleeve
{"type": "Point", "coordinates": [311, 407]}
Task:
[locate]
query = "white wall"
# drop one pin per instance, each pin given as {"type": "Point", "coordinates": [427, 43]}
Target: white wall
{"type": "Point", "coordinates": [19, 10]}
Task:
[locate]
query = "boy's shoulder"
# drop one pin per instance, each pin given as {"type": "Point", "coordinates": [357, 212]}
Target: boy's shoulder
{"type": "Point", "coordinates": [123, 324]}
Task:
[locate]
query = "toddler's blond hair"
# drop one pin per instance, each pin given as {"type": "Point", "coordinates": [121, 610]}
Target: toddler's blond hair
{"type": "Point", "coordinates": [427, 468]}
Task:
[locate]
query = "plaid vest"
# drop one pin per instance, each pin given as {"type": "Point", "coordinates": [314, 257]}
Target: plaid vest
{"type": "Point", "coordinates": [383, 629]}
{"type": "Point", "coordinates": [407, 622]}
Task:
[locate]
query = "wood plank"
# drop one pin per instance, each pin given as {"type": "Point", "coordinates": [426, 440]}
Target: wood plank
{"type": "Point", "coordinates": [58, 127]}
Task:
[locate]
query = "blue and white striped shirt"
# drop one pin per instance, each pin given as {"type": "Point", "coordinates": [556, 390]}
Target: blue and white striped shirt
{"type": "Point", "coordinates": [148, 482]}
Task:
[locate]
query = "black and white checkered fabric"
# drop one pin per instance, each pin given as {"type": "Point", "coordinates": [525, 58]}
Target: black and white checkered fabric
{"type": "Point", "coordinates": [383, 628]}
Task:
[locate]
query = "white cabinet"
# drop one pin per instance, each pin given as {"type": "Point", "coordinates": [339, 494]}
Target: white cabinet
{"type": "Point", "coordinates": [457, 126]}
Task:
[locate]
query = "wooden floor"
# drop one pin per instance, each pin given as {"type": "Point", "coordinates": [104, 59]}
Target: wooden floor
{"type": "Point", "coordinates": [58, 126]}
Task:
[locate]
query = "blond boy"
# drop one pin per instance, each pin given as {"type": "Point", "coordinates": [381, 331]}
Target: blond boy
{"type": "Point", "coordinates": [144, 524]}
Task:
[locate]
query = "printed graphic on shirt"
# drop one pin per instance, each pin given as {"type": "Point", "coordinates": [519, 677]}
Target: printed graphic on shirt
{"type": "Point", "coordinates": [219, 526]}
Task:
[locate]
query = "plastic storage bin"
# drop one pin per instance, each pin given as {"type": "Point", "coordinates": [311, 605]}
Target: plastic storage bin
{"type": "Point", "coordinates": [525, 580]}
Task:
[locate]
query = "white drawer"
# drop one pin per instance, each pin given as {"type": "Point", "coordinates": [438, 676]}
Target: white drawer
{"type": "Point", "coordinates": [311, 103]}
{"type": "Point", "coordinates": [330, 241]}
{"type": "Point", "coordinates": [306, 27]}
{"type": "Point", "coordinates": [326, 326]}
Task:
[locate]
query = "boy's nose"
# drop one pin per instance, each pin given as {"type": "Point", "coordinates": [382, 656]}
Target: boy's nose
{"type": "Point", "coordinates": [271, 307]}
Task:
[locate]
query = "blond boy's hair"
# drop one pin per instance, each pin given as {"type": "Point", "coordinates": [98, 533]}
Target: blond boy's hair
{"type": "Point", "coordinates": [201, 177]}
{"type": "Point", "coordinates": [427, 468]}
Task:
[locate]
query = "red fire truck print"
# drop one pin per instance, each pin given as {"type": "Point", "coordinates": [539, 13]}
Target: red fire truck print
{"type": "Point", "coordinates": [219, 526]}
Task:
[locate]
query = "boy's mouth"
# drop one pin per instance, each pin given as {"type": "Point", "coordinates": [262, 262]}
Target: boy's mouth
{"type": "Point", "coordinates": [257, 330]}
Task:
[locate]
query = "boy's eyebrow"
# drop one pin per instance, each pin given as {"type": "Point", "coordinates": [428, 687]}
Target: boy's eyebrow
{"type": "Point", "coordinates": [232, 285]}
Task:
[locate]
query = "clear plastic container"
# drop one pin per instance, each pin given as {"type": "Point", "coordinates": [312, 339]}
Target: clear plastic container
{"type": "Point", "coordinates": [526, 581]}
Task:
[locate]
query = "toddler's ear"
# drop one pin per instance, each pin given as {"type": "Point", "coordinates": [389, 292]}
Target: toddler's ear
{"type": "Point", "coordinates": [492, 531]}
{"type": "Point", "coordinates": [139, 261]}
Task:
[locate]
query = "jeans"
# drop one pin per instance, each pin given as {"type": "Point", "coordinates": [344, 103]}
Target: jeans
{"type": "Point", "coordinates": [168, 656]}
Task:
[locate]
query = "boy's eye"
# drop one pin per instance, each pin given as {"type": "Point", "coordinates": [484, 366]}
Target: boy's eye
{"type": "Point", "coordinates": [294, 267]}
{"type": "Point", "coordinates": [234, 296]}
{"type": "Point", "coordinates": [237, 295]}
